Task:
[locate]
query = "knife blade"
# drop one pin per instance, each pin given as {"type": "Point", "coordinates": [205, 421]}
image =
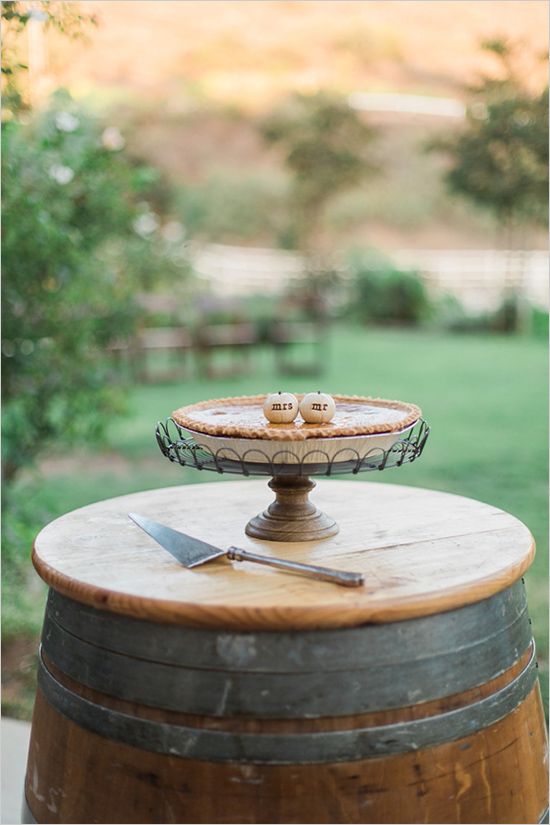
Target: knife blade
{"type": "Point", "coordinates": [191, 552]}
{"type": "Point", "coordinates": [187, 550]}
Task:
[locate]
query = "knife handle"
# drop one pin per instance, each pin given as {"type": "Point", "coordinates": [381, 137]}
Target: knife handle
{"type": "Point", "coordinates": [343, 577]}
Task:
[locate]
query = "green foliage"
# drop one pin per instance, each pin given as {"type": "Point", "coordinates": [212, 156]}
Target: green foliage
{"type": "Point", "coordinates": [229, 207]}
{"type": "Point", "coordinates": [383, 294]}
{"type": "Point", "coordinates": [21, 609]}
{"type": "Point", "coordinates": [508, 316]}
{"type": "Point", "coordinates": [500, 159]}
{"type": "Point", "coordinates": [539, 323]}
{"type": "Point", "coordinates": [452, 316]}
{"type": "Point", "coordinates": [512, 315]}
{"type": "Point", "coordinates": [79, 240]}
{"type": "Point", "coordinates": [16, 16]}
{"type": "Point", "coordinates": [327, 149]}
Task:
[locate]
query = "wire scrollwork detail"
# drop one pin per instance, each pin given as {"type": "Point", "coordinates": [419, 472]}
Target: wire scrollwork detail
{"type": "Point", "coordinates": [180, 448]}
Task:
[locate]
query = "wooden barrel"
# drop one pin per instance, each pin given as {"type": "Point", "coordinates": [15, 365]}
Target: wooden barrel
{"type": "Point", "coordinates": [239, 694]}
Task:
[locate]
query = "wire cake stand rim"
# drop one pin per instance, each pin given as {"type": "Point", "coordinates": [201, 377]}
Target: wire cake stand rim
{"type": "Point", "coordinates": [179, 447]}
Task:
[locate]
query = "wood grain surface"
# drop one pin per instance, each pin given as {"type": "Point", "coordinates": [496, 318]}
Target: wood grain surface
{"type": "Point", "coordinates": [494, 775]}
{"type": "Point", "coordinates": [421, 551]}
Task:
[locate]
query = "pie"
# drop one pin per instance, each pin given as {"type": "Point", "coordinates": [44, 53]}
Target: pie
{"type": "Point", "coordinates": [243, 417]}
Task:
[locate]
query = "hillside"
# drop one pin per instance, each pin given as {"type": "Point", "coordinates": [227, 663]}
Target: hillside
{"type": "Point", "coordinates": [250, 52]}
{"type": "Point", "coordinates": [187, 82]}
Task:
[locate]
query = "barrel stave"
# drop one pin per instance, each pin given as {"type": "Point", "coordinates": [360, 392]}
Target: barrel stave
{"type": "Point", "coordinates": [485, 777]}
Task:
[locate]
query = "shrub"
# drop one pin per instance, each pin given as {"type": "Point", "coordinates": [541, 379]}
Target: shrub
{"type": "Point", "coordinates": [79, 242]}
{"type": "Point", "coordinates": [383, 294]}
{"type": "Point", "coordinates": [539, 323]}
{"type": "Point", "coordinates": [229, 207]}
{"type": "Point", "coordinates": [508, 316]}
{"type": "Point", "coordinates": [512, 315]}
{"type": "Point", "coordinates": [22, 591]}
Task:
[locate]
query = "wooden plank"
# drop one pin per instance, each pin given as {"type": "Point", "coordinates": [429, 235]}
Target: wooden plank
{"type": "Point", "coordinates": [421, 551]}
{"type": "Point", "coordinates": [495, 775]}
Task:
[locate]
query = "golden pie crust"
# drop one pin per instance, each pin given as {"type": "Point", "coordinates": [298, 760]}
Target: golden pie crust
{"type": "Point", "coordinates": [243, 417]}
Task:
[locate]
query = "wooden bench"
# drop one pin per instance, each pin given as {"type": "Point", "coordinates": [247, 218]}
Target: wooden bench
{"type": "Point", "coordinates": [235, 339]}
{"type": "Point", "coordinates": [176, 341]}
{"type": "Point", "coordinates": [138, 349]}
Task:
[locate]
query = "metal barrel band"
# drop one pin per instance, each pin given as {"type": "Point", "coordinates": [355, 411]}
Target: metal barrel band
{"type": "Point", "coordinates": [279, 695]}
{"type": "Point", "coordinates": [281, 749]}
{"type": "Point", "coordinates": [366, 684]}
{"type": "Point", "coordinates": [286, 652]}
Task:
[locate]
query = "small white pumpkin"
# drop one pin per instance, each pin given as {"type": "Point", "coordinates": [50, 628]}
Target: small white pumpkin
{"type": "Point", "coordinates": [317, 408]}
{"type": "Point", "coordinates": [281, 407]}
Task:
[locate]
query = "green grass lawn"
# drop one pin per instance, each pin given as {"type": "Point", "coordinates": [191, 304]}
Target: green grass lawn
{"type": "Point", "coordinates": [484, 396]}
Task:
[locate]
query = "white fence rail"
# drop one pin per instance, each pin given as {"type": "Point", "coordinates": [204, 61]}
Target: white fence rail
{"type": "Point", "coordinates": [407, 104]}
{"type": "Point", "coordinates": [478, 278]}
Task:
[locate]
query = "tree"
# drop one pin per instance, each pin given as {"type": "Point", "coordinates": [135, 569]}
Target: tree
{"type": "Point", "coordinates": [85, 228]}
{"type": "Point", "coordinates": [499, 160]}
{"type": "Point", "coordinates": [16, 16]}
{"type": "Point", "coordinates": [80, 241]}
{"type": "Point", "coordinates": [327, 150]}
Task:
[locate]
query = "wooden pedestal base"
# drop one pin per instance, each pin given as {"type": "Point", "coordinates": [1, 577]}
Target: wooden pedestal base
{"type": "Point", "coordinates": [292, 516]}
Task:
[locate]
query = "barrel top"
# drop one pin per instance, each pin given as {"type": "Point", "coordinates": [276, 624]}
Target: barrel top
{"type": "Point", "coordinates": [422, 552]}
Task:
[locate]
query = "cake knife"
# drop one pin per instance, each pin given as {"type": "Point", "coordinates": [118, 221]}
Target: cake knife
{"type": "Point", "coordinates": [191, 552]}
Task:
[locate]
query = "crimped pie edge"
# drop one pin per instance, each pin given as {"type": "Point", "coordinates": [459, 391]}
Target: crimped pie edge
{"type": "Point", "coordinates": [284, 432]}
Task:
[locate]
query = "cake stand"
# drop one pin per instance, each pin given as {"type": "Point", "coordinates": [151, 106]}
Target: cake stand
{"type": "Point", "coordinates": [291, 516]}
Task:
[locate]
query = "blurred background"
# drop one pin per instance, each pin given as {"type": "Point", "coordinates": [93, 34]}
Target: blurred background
{"type": "Point", "coordinates": [224, 198]}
